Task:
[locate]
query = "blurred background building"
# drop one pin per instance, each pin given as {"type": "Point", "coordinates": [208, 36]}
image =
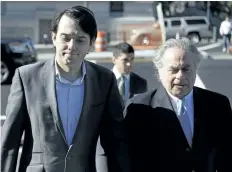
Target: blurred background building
{"type": "Point", "coordinates": [33, 18]}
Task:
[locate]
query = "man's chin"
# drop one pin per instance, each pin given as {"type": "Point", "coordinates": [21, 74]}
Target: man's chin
{"type": "Point", "coordinates": [127, 72]}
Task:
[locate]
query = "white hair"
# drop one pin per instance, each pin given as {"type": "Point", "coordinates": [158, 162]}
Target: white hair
{"type": "Point", "coordinates": [183, 43]}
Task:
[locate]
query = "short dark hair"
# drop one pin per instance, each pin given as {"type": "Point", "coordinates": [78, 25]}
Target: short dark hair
{"type": "Point", "coordinates": [83, 16]}
{"type": "Point", "coordinates": [123, 48]}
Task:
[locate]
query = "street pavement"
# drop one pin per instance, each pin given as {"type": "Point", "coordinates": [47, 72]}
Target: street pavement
{"type": "Point", "coordinates": [217, 54]}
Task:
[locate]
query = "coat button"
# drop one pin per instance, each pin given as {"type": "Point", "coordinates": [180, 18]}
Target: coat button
{"type": "Point", "coordinates": [187, 150]}
{"type": "Point", "coordinates": [70, 156]}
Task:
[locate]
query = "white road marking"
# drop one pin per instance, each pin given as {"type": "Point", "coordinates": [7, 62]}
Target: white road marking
{"type": "Point", "coordinates": [210, 46]}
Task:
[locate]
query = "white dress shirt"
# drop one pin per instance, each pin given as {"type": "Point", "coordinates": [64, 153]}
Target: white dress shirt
{"type": "Point", "coordinates": [189, 106]}
{"type": "Point", "coordinates": [127, 81]}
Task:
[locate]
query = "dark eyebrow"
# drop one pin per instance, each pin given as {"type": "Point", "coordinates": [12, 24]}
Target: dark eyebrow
{"type": "Point", "coordinates": [65, 34]}
{"type": "Point", "coordinates": [173, 67]}
{"type": "Point", "coordinates": [82, 37]}
{"type": "Point", "coordinates": [128, 58]}
{"type": "Point", "coordinates": [68, 35]}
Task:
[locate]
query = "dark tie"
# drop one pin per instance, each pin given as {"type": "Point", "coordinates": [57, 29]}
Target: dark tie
{"type": "Point", "coordinates": [121, 87]}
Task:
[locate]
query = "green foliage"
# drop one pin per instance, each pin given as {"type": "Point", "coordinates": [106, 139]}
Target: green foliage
{"type": "Point", "coordinates": [217, 8]}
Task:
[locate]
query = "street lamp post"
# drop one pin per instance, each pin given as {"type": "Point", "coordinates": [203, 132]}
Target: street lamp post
{"type": "Point", "coordinates": [161, 21]}
{"type": "Point", "coordinates": [208, 10]}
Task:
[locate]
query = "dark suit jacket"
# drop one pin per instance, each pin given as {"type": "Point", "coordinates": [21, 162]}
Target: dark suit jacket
{"type": "Point", "coordinates": [137, 84]}
{"type": "Point", "coordinates": [157, 142]}
{"type": "Point", "coordinates": [32, 107]}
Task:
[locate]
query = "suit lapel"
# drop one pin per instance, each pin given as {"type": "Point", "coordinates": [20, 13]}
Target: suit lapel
{"type": "Point", "coordinates": [162, 100]}
{"type": "Point", "coordinates": [132, 85]}
{"type": "Point", "coordinates": [89, 97]}
{"type": "Point", "coordinates": [50, 90]}
{"type": "Point", "coordinates": [88, 100]}
{"type": "Point", "coordinates": [199, 133]}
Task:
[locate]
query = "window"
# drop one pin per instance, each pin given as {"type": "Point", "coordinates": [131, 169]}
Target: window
{"type": "Point", "coordinates": [116, 6]}
{"type": "Point", "coordinates": [20, 47]}
{"type": "Point", "coordinates": [197, 21]}
{"type": "Point", "coordinates": [175, 23]}
{"type": "Point", "coordinates": [165, 23]}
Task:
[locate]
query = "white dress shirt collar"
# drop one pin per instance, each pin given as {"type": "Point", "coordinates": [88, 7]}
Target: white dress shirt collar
{"type": "Point", "coordinates": [189, 104]}
{"type": "Point", "coordinates": [187, 98]}
{"type": "Point", "coordinates": [118, 75]}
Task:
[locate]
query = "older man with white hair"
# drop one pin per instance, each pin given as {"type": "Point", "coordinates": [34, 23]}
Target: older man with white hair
{"type": "Point", "coordinates": [179, 127]}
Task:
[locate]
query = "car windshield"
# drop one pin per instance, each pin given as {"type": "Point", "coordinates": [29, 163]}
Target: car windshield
{"type": "Point", "coordinates": [20, 47]}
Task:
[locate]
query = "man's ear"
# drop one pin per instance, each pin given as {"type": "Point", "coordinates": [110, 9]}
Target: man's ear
{"type": "Point", "coordinates": [53, 38]}
{"type": "Point", "coordinates": [113, 59]}
{"type": "Point", "coordinates": [92, 43]}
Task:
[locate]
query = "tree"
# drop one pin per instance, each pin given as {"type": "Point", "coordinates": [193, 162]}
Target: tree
{"type": "Point", "coordinates": [220, 7]}
{"type": "Point", "coordinates": [217, 8]}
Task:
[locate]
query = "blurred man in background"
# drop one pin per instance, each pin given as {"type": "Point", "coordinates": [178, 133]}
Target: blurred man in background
{"type": "Point", "coordinates": [129, 84]}
{"type": "Point", "coordinates": [179, 127]}
{"type": "Point", "coordinates": [45, 38]}
{"type": "Point", "coordinates": [63, 105]}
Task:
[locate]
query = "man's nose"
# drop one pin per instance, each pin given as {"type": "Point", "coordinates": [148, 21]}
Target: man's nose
{"type": "Point", "coordinates": [180, 74]}
{"type": "Point", "coordinates": [71, 45]}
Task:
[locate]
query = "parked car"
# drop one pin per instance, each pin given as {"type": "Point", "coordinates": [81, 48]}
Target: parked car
{"type": "Point", "coordinates": [149, 36]}
{"type": "Point", "coordinates": [15, 53]}
{"type": "Point", "coordinates": [143, 36]}
{"type": "Point", "coordinates": [193, 27]}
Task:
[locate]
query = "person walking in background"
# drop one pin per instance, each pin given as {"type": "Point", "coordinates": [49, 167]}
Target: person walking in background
{"type": "Point", "coordinates": [129, 84]}
{"type": "Point", "coordinates": [225, 31]}
{"type": "Point", "coordinates": [45, 38]}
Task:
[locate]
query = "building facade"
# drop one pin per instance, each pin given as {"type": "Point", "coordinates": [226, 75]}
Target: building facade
{"type": "Point", "coordinates": [33, 19]}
